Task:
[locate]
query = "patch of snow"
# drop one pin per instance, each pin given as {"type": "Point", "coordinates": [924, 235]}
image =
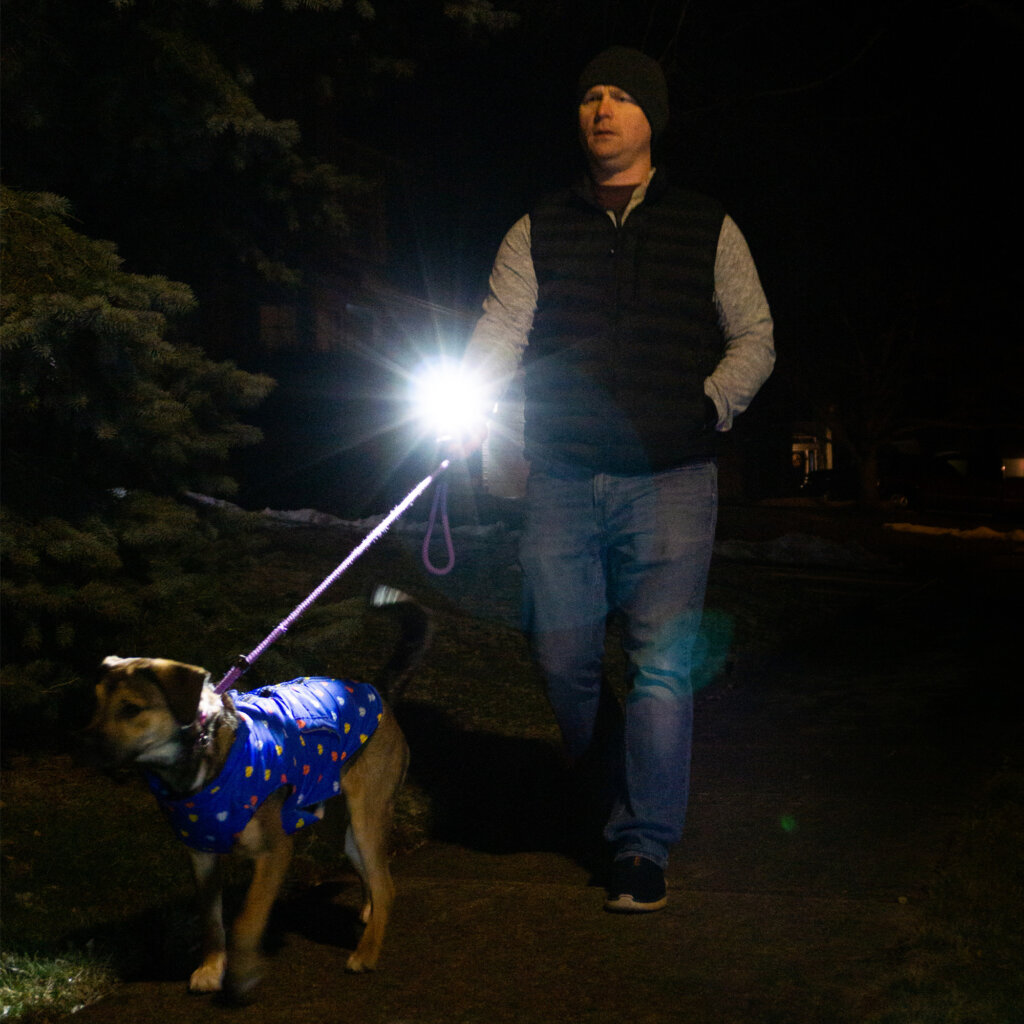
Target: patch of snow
{"type": "Point", "coordinates": [312, 517]}
{"type": "Point", "coordinates": [793, 549]}
{"type": "Point", "coordinates": [978, 533]}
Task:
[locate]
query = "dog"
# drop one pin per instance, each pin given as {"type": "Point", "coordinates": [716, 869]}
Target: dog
{"type": "Point", "coordinates": [241, 773]}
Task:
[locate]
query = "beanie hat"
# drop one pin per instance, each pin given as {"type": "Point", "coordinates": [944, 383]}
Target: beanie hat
{"type": "Point", "coordinates": [639, 75]}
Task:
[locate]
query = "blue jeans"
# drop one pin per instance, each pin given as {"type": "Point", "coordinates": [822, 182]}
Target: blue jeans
{"type": "Point", "coordinates": [641, 547]}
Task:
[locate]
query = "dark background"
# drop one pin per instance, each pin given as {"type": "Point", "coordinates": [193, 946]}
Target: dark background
{"type": "Point", "coordinates": [865, 149]}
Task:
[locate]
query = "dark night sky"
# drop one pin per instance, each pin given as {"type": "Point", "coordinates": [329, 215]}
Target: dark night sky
{"type": "Point", "coordinates": [853, 120]}
{"type": "Point", "coordinates": [863, 148]}
{"type": "Point", "coordinates": [866, 149]}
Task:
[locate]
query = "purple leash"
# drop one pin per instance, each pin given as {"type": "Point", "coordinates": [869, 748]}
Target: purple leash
{"type": "Point", "coordinates": [245, 661]}
{"type": "Point", "coordinates": [440, 503]}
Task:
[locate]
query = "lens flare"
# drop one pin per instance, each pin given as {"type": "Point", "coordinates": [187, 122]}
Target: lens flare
{"type": "Point", "coordinates": [449, 400]}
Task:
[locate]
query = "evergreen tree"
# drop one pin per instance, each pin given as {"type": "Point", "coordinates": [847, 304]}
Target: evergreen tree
{"type": "Point", "coordinates": [107, 419]}
{"type": "Point", "coordinates": [236, 145]}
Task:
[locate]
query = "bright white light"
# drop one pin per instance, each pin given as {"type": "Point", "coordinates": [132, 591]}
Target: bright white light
{"type": "Point", "coordinates": [449, 400]}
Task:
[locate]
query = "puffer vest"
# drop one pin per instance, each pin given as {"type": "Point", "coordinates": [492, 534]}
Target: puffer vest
{"type": "Point", "coordinates": [624, 333]}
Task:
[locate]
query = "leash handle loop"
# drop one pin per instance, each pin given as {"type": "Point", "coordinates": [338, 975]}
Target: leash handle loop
{"type": "Point", "coordinates": [440, 503]}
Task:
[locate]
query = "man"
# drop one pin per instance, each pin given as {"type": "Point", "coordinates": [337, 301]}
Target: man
{"type": "Point", "coordinates": [637, 316]}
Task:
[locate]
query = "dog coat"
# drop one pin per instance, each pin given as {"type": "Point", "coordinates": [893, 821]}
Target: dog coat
{"type": "Point", "coordinates": [295, 734]}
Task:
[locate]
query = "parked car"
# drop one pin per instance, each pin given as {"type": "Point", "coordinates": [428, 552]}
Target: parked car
{"type": "Point", "coordinates": [953, 481]}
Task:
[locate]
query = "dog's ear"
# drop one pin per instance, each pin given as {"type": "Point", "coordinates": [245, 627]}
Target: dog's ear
{"type": "Point", "coordinates": [182, 686]}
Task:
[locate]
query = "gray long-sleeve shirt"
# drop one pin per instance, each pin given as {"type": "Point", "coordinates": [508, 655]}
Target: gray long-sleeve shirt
{"type": "Point", "coordinates": [501, 335]}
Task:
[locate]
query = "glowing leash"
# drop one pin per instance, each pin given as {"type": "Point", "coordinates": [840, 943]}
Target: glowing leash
{"type": "Point", "coordinates": [245, 661]}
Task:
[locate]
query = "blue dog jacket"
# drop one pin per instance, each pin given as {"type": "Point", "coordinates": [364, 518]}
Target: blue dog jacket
{"type": "Point", "coordinates": [295, 734]}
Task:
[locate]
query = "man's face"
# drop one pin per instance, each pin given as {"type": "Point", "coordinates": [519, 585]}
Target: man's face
{"type": "Point", "coordinates": [614, 130]}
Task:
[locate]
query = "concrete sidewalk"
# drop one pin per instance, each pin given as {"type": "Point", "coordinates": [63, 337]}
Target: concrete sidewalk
{"type": "Point", "coordinates": [829, 776]}
{"type": "Point", "coordinates": [479, 938]}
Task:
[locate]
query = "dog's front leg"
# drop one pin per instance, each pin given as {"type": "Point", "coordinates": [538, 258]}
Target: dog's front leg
{"type": "Point", "coordinates": [209, 975]}
{"type": "Point", "coordinates": [243, 967]}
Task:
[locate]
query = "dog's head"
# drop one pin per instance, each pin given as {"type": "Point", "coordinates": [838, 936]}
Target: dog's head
{"type": "Point", "coordinates": [141, 706]}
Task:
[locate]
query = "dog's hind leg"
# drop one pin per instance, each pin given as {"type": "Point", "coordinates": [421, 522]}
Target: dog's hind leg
{"type": "Point", "coordinates": [209, 975]}
{"type": "Point", "coordinates": [366, 842]}
{"type": "Point", "coordinates": [370, 786]}
{"type": "Point", "coordinates": [353, 854]}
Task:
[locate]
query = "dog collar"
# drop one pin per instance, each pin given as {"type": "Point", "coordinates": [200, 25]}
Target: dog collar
{"type": "Point", "coordinates": [198, 732]}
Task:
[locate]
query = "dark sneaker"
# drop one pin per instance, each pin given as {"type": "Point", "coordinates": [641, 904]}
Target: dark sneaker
{"type": "Point", "coordinates": [637, 887]}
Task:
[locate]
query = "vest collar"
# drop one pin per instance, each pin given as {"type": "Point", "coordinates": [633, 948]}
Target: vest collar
{"type": "Point", "coordinates": [654, 185]}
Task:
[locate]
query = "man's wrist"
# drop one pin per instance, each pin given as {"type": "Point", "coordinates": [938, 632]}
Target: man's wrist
{"type": "Point", "coordinates": [710, 413]}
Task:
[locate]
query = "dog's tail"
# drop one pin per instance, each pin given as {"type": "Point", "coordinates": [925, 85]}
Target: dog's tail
{"type": "Point", "coordinates": [415, 632]}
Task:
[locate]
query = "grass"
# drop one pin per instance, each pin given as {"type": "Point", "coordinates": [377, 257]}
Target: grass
{"type": "Point", "coordinates": [80, 856]}
{"type": "Point", "coordinates": [967, 965]}
{"type": "Point", "coordinates": [36, 989]}
{"type": "Point", "coordinates": [95, 888]}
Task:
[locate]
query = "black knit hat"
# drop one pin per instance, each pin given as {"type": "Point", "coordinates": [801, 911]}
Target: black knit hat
{"type": "Point", "coordinates": [639, 75]}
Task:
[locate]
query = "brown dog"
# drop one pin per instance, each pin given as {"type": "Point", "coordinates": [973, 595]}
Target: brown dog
{"type": "Point", "coordinates": [165, 717]}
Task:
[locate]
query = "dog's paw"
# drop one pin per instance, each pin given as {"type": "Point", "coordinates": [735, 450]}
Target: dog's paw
{"type": "Point", "coordinates": [242, 977]}
{"type": "Point", "coordinates": [209, 975]}
{"type": "Point", "coordinates": [240, 991]}
{"type": "Point", "coordinates": [356, 965]}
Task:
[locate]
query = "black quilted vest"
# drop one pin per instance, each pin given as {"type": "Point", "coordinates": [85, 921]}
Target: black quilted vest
{"type": "Point", "coordinates": [624, 333]}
